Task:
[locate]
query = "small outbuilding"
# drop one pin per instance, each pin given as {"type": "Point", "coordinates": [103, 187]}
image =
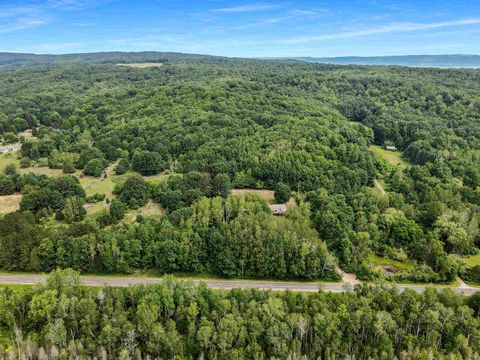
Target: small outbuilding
{"type": "Point", "coordinates": [278, 209]}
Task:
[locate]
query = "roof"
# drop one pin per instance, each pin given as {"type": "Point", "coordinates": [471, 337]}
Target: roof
{"type": "Point", "coordinates": [278, 209]}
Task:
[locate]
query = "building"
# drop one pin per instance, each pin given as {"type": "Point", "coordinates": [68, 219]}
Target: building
{"type": "Point", "coordinates": [278, 209]}
{"type": "Point", "coordinates": [9, 148]}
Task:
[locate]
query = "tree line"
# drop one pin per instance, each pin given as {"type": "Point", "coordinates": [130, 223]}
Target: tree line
{"type": "Point", "coordinates": [179, 320]}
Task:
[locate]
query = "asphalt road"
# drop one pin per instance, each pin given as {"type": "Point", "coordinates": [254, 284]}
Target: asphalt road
{"type": "Point", "coordinates": [26, 279]}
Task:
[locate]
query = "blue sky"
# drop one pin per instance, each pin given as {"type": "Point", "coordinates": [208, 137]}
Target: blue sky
{"type": "Point", "coordinates": [242, 28]}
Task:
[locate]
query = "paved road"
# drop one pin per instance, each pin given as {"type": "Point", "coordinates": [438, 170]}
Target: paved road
{"type": "Point", "coordinates": [216, 284]}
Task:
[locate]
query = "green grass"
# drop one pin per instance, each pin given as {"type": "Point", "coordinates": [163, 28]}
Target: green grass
{"type": "Point", "coordinates": [451, 284]}
{"type": "Point", "coordinates": [472, 260]}
{"type": "Point", "coordinates": [93, 185]}
{"type": "Point", "coordinates": [7, 159]}
{"type": "Point", "coordinates": [392, 157]}
{"type": "Point", "coordinates": [400, 265]}
{"type": "Point", "coordinates": [150, 210]}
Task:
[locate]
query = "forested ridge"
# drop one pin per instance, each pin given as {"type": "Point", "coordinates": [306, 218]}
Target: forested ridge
{"type": "Point", "coordinates": [202, 126]}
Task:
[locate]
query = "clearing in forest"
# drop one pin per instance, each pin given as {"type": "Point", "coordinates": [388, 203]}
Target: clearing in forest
{"type": "Point", "coordinates": [267, 195]}
{"type": "Point", "coordinates": [10, 203]}
{"type": "Point", "coordinates": [472, 260]}
{"type": "Point", "coordinates": [150, 209]}
{"type": "Point", "coordinates": [392, 157]}
{"type": "Point", "coordinates": [142, 65]}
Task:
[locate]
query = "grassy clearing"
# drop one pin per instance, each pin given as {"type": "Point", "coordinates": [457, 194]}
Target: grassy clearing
{"type": "Point", "coordinates": [10, 203]}
{"type": "Point", "coordinates": [40, 168]}
{"type": "Point", "coordinates": [93, 185]}
{"type": "Point", "coordinates": [150, 210]}
{"type": "Point", "coordinates": [41, 171]}
{"type": "Point", "coordinates": [142, 65]}
{"type": "Point", "coordinates": [267, 195]}
{"type": "Point", "coordinates": [94, 209]}
{"type": "Point", "coordinates": [472, 260]}
{"type": "Point", "coordinates": [392, 157]}
{"type": "Point", "coordinates": [399, 265]}
{"type": "Point", "coordinates": [451, 284]}
{"type": "Point", "coordinates": [7, 159]}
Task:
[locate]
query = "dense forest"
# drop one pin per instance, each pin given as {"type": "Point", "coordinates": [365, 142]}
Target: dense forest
{"type": "Point", "coordinates": [201, 126]}
{"type": "Point", "coordinates": [179, 320]}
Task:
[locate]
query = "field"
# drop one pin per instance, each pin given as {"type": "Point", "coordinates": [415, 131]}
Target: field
{"type": "Point", "coordinates": [7, 159]}
{"type": "Point", "coordinates": [142, 65]}
{"type": "Point", "coordinates": [389, 263]}
{"type": "Point", "coordinates": [151, 209]}
{"type": "Point", "coordinates": [10, 203]}
{"type": "Point", "coordinates": [472, 260]}
{"type": "Point", "coordinates": [392, 157]}
{"type": "Point", "coordinates": [91, 185]}
{"type": "Point", "coordinates": [267, 195]}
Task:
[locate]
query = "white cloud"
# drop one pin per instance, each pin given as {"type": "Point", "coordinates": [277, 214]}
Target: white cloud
{"type": "Point", "coordinates": [247, 8]}
{"type": "Point", "coordinates": [389, 28]}
{"type": "Point", "coordinates": [22, 23]}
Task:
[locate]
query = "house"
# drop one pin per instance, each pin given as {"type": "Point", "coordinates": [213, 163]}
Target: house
{"type": "Point", "coordinates": [278, 209]}
{"type": "Point", "coordinates": [9, 148]}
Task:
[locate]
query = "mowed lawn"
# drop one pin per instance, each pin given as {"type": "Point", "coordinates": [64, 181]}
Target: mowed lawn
{"type": "Point", "coordinates": [392, 157]}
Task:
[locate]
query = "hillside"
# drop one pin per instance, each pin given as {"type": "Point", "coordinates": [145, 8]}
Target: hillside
{"type": "Point", "coordinates": [18, 60]}
{"type": "Point", "coordinates": [140, 167]}
{"type": "Point", "coordinates": [440, 61]}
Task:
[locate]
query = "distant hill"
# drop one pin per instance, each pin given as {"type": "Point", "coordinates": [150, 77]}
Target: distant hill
{"type": "Point", "coordinates": [117, 57]}
{"type": "Point", "coordinates": [441, 61]}
{"type": "Point", "coordinates": [19, 59]}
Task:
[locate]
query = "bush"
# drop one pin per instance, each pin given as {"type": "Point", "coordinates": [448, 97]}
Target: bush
{"type": "Point", "coordinates": [10, 137]}
{"type": "Point", "coordinates": [68, 166]}
{"type": "Point", "coordinates": [10, 169]}
{"type": "Point", "coordinates": [117, 210]}
{"type": "Point", "coordinates": [472, 274]}
{"type": "Point", "coordinates": [94, 167]}
{"type": "Point", "coordinates": [122, 167]}
{"type": "Point", "coordinates": [25, 162]}
{"type": "Point", "coordinates": [95, 198]}
{"type": "Point", "coordinates": [7, 185]}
